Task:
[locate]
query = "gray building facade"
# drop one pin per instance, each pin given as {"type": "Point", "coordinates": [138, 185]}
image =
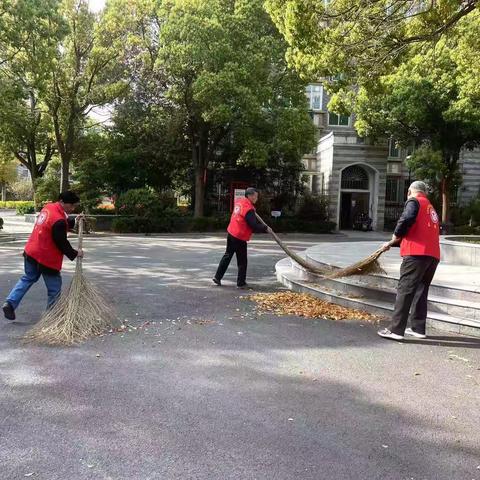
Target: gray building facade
{"type": "Point", "coordinates": [362, 177]}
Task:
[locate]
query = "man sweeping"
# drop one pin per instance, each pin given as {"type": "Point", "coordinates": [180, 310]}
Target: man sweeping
{"type": "Point", "coordinates": [44, 251]}
{"type": "Point", "coordinates": [242, 224]}
{"type": "Point", "coordinates": [417, 232]}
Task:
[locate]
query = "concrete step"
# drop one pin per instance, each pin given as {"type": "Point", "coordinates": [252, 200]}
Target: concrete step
{"type": "Point", "coordinates": [456, 316]}
{"type": "Point", "coordinates": [389, 283]}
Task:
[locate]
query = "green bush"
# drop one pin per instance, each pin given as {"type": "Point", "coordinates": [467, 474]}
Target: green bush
{"type": "Point", "coordinates": [144, 202]}
{"type": "Point", "coordinates": [13, 205]}
{"type": "Point", "coordinates": [24, 209]}
{"type": "Point", "coordinates": [313, 208]}
{"type": "Point", "coordinates": [182, 224]}
{"type": "Point", "coordinates": [466, 230]}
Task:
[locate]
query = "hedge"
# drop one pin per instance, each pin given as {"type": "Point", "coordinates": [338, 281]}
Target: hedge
{"type": "Point", "coordinates": [13, 205]}
{"type": "Point", "coordinates": [182, 224]}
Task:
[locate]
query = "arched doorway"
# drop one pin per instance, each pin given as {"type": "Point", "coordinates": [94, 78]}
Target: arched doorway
{"type": "Point", "coordinates": [355, 195]}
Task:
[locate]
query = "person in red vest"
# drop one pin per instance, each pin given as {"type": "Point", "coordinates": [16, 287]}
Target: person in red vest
{"type": "Point", "coordinates": [242, 224]}
{"type": "Point", "coordinates": [418, 233]}
{"type": "Point", "coordinates": [44, 251]}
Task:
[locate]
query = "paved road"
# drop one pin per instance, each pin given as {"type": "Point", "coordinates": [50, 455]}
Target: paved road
{"type": "Point", "coordinates": [214, 391]}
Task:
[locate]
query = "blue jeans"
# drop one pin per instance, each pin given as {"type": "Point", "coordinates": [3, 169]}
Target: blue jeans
{"type": "Point", "coordinates": [32, 275]}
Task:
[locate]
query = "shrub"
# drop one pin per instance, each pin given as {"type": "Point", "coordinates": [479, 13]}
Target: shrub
{"type": "Point", "coordinates": [22, 190]}
{"type": "Point", "coordinates": [313, 208]}
{"type": "Point", "coordinates": [466, 230]}
{"type": "Point", "coordinates": [144, 202]}
{"type": "Point", "coordinates": [12, 205]}
{"type": "Point", "coordinates": [25, 209]}
{"type": "Point", "coordinates": [177, 224]}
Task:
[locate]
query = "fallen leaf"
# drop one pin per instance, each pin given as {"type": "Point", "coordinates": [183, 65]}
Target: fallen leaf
{"type": "Point", "coordinates": [304, 305]}
{"type": "Point", "coordinates": [29, 474]}
{"type": "Point", "coordinates": [385, 446]}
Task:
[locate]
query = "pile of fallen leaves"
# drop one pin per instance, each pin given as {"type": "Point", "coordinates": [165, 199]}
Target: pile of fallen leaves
{"type": "Point", "coordinates": [304, 305]}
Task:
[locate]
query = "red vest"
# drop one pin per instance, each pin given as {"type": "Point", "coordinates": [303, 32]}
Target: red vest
{"type": "Point", "coordinates": [423, 238]}
{"type": "Point", "coordinates": [40, 245]}
{"type": "Point", "coordinates": [238, 226]}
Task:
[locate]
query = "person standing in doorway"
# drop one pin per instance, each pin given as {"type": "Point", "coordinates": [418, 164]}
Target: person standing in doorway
{"type": "Point", "coordinates": [44, 251]}
{"type": "Point", "coordinates": [418, 233]}
{"type": "Point", "coordinates": [243, 224]}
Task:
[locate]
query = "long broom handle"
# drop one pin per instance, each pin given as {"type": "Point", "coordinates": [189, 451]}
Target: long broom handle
{"type": "Point", "coordinates": [80, 240]}
{"type": "Point", "coordinates": [301, 261]}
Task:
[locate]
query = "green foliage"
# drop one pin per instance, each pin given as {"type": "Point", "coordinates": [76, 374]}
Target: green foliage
{"type": "Point", "coordinates": [227, 77]}
{"type": "Point", "coordinates": [354, 40]}
{"type": "Point", "coordinates": [8, 170]}
{"type": "Point", "coordinates": [468, 215]}
{"type": "Point", "coordinates": [24, 209]}
{"type": "Point", "coordinates": [145, 203]}
{"type": "Point", "coordinates": [313, 208]}
{"type": "Point", "coordinates": [21, 190]}
{"type": "Point", "coordinates": [13, 205]}
{"type": "Point", "coordinates": [48, 187]}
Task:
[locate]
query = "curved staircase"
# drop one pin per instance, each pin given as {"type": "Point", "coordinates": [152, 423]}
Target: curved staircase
{"type": "Point", "coordinates": [452, 308]}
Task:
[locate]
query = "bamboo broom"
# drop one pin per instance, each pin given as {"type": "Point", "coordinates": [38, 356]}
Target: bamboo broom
{"type": "Point", "coordinates": [80, 312]}
{"type": "Point", "coordinates": [366, 266]}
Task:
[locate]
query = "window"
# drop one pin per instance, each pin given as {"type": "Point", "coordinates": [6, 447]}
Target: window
{"type": "Point", "coordinates": [392, 190]}
{"type": "Point", "coordinates": [314, 188]}
{"type": "Point", "coordinates": [340, 120]}
{"type": "Point", "coordinates": [314, 96]}
{"type": "Point", "coordinates": [354, 178]}
{"type": "Point", "coordinates": [393, 150]}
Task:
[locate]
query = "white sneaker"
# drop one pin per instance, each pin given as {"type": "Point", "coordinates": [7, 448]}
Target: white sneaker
{"type": "Point", "coordinates": [411, 333]}
{"type": "Point", "coordinates": [386, 333]}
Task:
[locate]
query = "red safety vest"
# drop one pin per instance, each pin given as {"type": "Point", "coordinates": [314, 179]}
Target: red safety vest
{"type": "Point", "coordinates": [238, 226]}
{"type": "Point", "coordinates": [40, 245]}
{"type": "Point", "coordinates": [423, 238]}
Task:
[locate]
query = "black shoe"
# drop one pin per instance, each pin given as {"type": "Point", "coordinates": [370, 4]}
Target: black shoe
{"type": "Point", "coordinates": [8, 311]}
{"type": "Point", "coordinates": [217, 282]}
{"type": "Point", "coordinates": [244, 286]}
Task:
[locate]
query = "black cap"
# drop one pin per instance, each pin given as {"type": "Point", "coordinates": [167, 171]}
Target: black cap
{"type": "Point", "coordinates": [250, 191]}
{"type": "Point", "coordinates": [69, 197]}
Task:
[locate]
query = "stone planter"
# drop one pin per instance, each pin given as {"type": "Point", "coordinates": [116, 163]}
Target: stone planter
{"type": "Point", "coordinates": [455, 249]}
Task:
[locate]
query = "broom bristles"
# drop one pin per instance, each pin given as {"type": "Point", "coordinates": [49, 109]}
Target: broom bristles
{"type": "Point", "coordinates": [79, 313]}
{"type": "Point", "coordinates": [367, 266]}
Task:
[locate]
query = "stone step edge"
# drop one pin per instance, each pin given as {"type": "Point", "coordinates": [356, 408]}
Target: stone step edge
{"type": "Point", "coordinates": [348, 281]}
{"type": "Point", "coordinates": [377, 277]}
{"type": "Point", "coordinates": [375, 304]}
{"type": "Point", "coordinates": [432, 298]}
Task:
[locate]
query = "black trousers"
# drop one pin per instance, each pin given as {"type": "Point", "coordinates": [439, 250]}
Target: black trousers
{"type": "Point", "coordinates": [416, 275]}
{"type": "Point", "coordinates": [234, 247]}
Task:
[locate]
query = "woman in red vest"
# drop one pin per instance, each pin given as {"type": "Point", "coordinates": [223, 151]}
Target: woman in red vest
{"type": "Point", "coordinates": [44, 251]}
{"type": "Point", "coordinates": [418, 233]}
{"type": "Point", "coordinates": [242, 224]}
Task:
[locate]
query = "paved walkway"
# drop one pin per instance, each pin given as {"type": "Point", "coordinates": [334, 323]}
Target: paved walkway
{"type": "Point", "coordinates": [205, 388]}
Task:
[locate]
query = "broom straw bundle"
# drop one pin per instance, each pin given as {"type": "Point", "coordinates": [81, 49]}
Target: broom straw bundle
{"type": "Point", "coordinates": [80, 312]}
{"type": "Point", "coordinates": [367, 266]}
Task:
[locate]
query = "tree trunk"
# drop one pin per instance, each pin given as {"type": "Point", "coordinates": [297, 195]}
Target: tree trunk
{"type": "Point", "coordinates": [200, 162]}
{"type": "Point", "coordinates": [445, 201]}
{"type": "Point", "coordinates": [64, 179]}
{"type": "Point", "coordinates": [4, 192]}
{"type": "Point", "coordinates": [199, 209]}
